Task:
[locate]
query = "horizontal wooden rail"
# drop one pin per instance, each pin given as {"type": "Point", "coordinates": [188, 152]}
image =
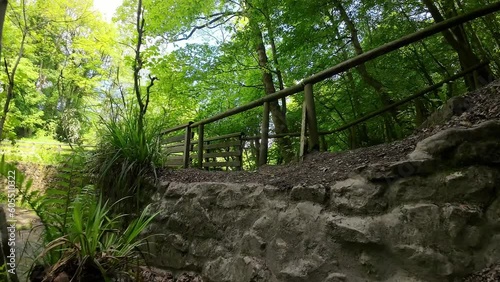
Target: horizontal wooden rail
{"type": "Point", "coordinates": [222, 145]}
{"type": "Point", "coordinates": [222, 154]}
{"type": "Point", "coordinates": [358, 60]}
{"type": "Point", "coordinates": [227, 136]}
{"type": "Point", "coordinates": [406, 100]}
{"type": "Point", "coordinates": [385, 109]}
{"type": "Point", "coordinates": [179, 127]}
{"type": "Point", "coordinates": [175, 161]}
{"type": "Point", "coordinates": [177, 138]}
{"type": "Point", "coordinates": [175, 149]}
{"type": "Point", "coordinates": [222, 164]}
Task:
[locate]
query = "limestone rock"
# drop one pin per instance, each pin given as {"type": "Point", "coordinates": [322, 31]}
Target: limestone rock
{"type": "Point", "coordinates": [455, 106]}
{"type": "Point", "coordinates": [252, 244]}
{"type": "Point", "coordinates": [493, 213]}
{"type": "Point", "coordinates": [244, 269]}
{"type": "Point", "coordinates": [314, 193]}
{"type": "Point", "coordinates": [444, 143]}
{"type": "Point", "coordinates": [357, 196]}
{"type": "Point", "coordinates": [174, 190]}
{"type": "Point", "coordinates": [336, 277]}
{"type": "Point", "coordinates": [401, 169]}
{"type": "Point", "coordinates": [457, 217]}
{"type": "Point", "coordinates": [409, 221]}
{"type": "Point", "coordinates": [351, 229]}
{"type": "Point", "coordinates": [473, 184]}
{"type": "Point", "coordinates": [297, 271]}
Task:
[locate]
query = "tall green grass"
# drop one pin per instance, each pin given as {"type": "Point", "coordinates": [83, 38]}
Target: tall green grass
{"type": "Point", "coordinates": [35, 152]}
{"type": "Point", "coordinates": [125, 156]}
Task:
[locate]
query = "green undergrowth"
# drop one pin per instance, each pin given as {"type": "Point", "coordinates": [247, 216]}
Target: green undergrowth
{"type": "Point", "coordinates": [81, 235]}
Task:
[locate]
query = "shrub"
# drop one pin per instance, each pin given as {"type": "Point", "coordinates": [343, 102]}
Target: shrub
{"type": "Point", "coordinates": [95, 245]}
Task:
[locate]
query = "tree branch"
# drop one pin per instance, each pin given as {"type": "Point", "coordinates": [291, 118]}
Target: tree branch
{"type": "Point", "coordinates": [152, 80]}
{"type": "Point", "coordinates": [207, 25]}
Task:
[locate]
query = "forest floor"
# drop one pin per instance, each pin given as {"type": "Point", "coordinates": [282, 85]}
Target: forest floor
{"type": "Point", "coordinates": [328, 167]}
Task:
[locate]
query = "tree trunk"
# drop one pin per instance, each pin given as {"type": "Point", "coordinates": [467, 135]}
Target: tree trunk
{"type": "Point", "coordinates": [457, 39]}
{"type": "Point", "coordinates": [277, 115]}
{"type": "Point", "coordinates": [3, 11]}
{"type": "Point", "coordinates": [272, 42]}
{"type": "Point", "coordinates": [421, 112]}
{"type": "Point", "coordinates": [366, 76]}
{"type": "Point", "coordinates": [11, 82]}
{"type": "Point", "coordinates": [138, 64]}
{"type": "Point", "coordinates": [358, 133]}
{"type": "Point", "coordinates": [6, 106]}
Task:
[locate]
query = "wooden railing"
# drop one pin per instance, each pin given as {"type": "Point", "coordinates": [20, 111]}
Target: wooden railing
{"type": "Point", "coordinates": [376, 113]}
{"type": "Point", "coordinates": [178, 148]}
{"type": "Point", "coordinates": [310, 132]}
{"type": "Point", "coordinates": [222, 151]}
{"type": "Point", "coordinates": [212, 153]}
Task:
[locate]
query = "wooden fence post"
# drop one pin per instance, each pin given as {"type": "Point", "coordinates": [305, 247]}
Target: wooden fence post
{"type": "Point", "coordinates": [323, 147]}
{"type": "Point", "coordinates": [207, 160]}
{"type": "Point", "coordinates": [312, 121]}
{"type": "Point", "coordinates": [201, 133]}
{"type": "Point", "coordinates": [240, 157]}
{"type": "Point", "coordinates": [303, 132]}
{"type": "Point", "coordinates": [264, 140]}
{"type": "Point", "coordinates": [475, 76]}
{"type": "Point", "coordinates": [187, 145]}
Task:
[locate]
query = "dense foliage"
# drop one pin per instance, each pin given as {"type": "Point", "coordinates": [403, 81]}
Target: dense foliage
{"type": "Point", "coordinates": [66, 66]}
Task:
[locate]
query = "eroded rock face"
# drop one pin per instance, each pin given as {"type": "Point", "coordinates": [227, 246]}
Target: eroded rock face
{"type": "Point", "coordinates": [416, 220]}
{"type": "Point", "coordinates": [453, 107]}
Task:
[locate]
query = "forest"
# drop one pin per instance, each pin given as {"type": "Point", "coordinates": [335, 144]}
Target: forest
{"type": "Point", "coordinates": [68, 74]}
{"type": "Point", "coordinates": [66, 70]}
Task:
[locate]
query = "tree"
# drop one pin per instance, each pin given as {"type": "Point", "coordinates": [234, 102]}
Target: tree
{"type": "Point", "coordinates": [457, 38]}
{"type": "Point", "coordinates": [278, 114]}
{"type": "Point", "coordinates": [3, 11]}
{"type": "Point", "coordinates": [66, 54]}
{"type": "Point", "coordinates": [10, 71]}
{"type": "Point", "coordinates": [380, 89]}
{"type": "Point", "coordinates": [142, 99]}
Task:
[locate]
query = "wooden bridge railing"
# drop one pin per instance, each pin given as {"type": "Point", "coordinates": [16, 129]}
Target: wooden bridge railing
{"type": "Point", "coordinates": [216, 152]}
{"type": "Point", "coordinates": [222, 151]}
{"type": "Point", "coordinates": [178, 148]}
{"type": "Point", "coordinates": [309, 127]}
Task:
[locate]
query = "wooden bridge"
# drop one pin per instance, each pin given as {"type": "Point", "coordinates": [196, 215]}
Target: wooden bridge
{"type": "Point", "coordinates": [184, 151]}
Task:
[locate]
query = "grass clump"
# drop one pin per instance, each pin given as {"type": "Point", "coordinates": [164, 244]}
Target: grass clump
{"type": "Point", "coordinates": [126, 154]}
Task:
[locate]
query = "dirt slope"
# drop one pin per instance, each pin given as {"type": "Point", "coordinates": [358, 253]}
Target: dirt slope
{"type": "Point", "coordinates": [327, 167]}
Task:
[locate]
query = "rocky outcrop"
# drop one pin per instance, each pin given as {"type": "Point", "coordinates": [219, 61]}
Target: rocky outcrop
{"type": "Point", "coordinates": [455, 106]}
{"type": "Point", "coordinates": [432, 217]}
